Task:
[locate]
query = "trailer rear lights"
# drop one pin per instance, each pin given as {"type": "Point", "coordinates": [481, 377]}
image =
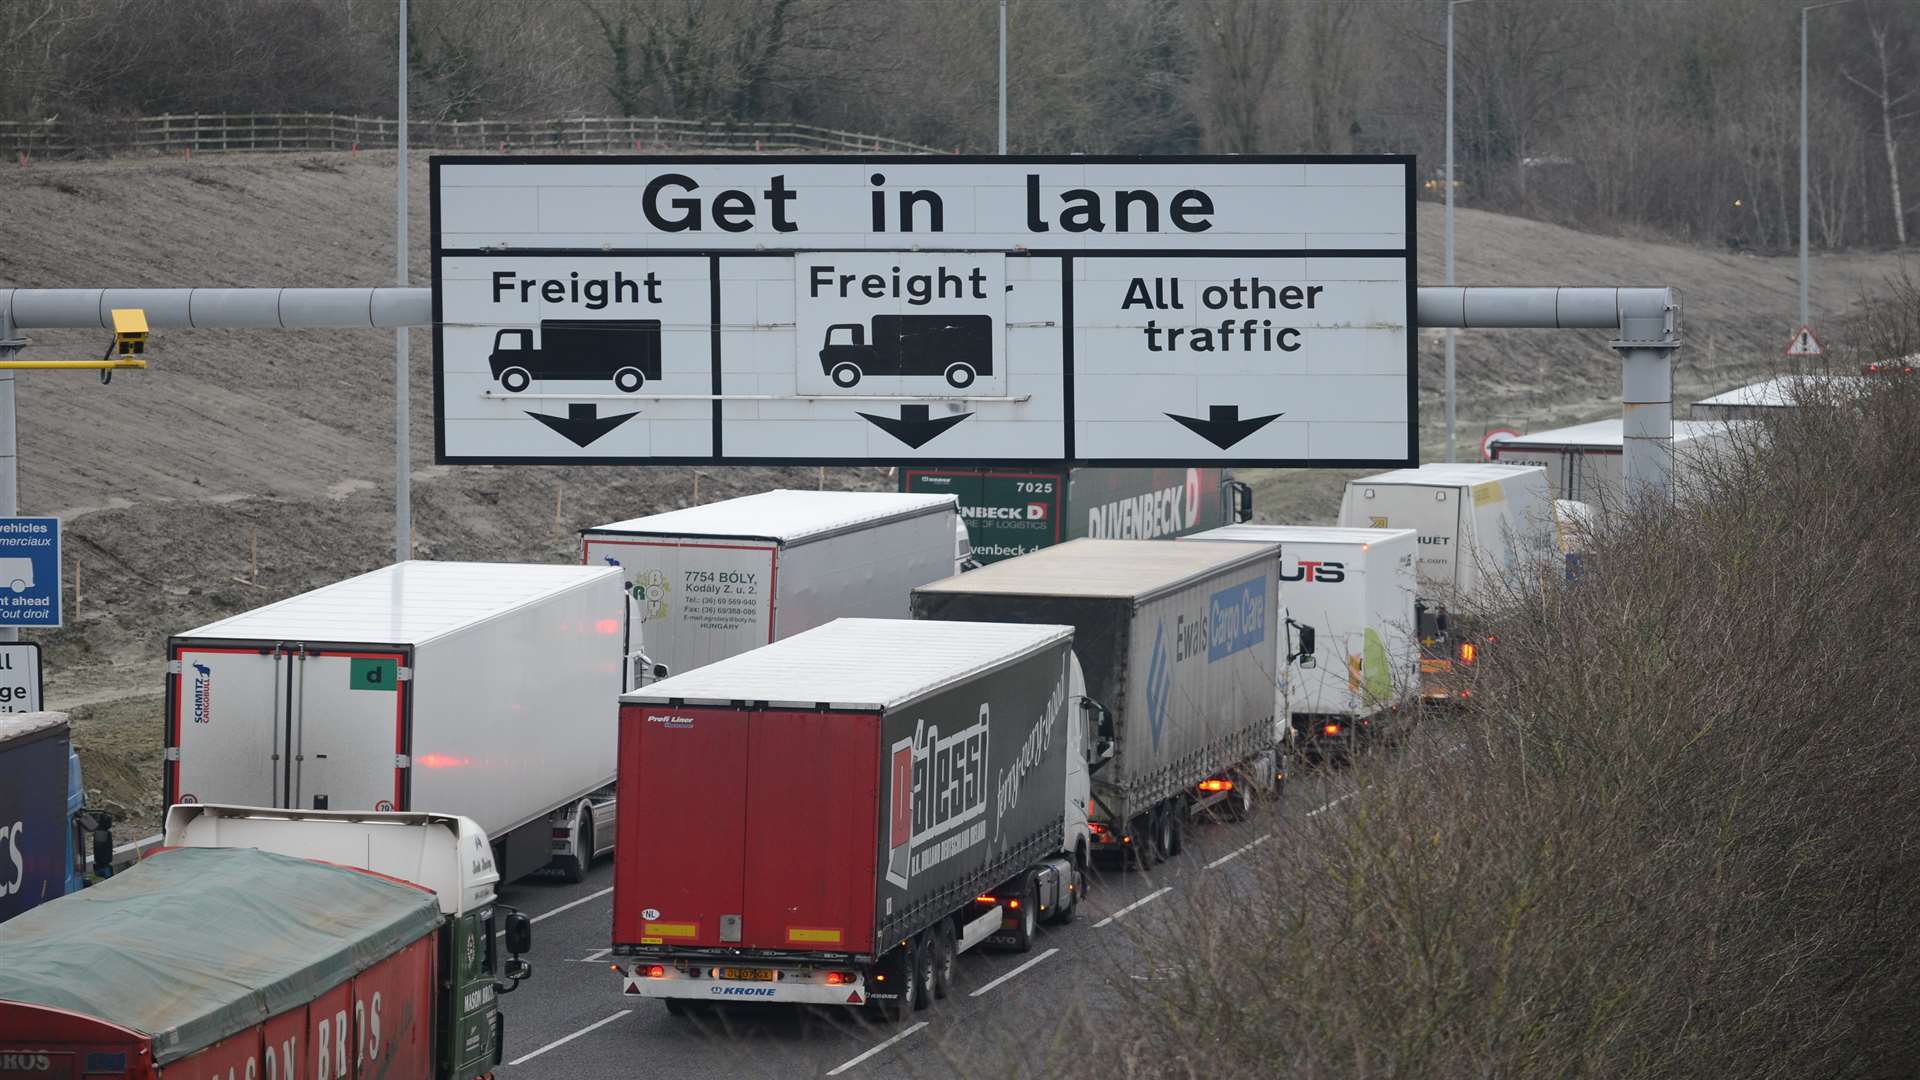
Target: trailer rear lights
{"type": "Point", "coordinates": [1467, 652]}
{"type": "Point", "coordinates": [1216, 784]}
{"type": "Point", "coordinates": [563, 834]}
{"type": "Point", "coordinates": [987, 899]}
{"type": "Point", "coordinates": [655, 971]}
{"type": "Point", "coordinates": [839, 978]}
{"type": "Point", "coordinates": [616, 969]}
{"type": "Point", "coordinates": [1330, 729]}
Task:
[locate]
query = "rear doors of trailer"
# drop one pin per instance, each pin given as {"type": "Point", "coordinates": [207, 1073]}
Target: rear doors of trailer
{"type": "Point", "coordinates": [295, 726]}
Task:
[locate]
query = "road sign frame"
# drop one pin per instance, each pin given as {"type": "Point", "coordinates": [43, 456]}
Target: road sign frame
{"type": "Point", "coordinates": [584, 416]}
{"type": "Point", "coordinates": [1793, 344]}
{"type": "Point", "coordinates": [37, 700]}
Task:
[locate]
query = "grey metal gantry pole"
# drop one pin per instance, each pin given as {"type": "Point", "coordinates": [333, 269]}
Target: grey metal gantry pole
{"type": "Point", "coordinates": [10, 344]}
{"type": "Point", "coordinates": [1648, 321]}
{"type": "Point", "coordinates": [1003, 78]}
{"type": "Point", "coordinates": [402, 398]}
{"type": "Point", "coordinates": [1447, 181]}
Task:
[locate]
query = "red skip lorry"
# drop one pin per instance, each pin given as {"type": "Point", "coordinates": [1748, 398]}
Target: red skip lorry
{"type": "Point", "coordinates": [876, 797]}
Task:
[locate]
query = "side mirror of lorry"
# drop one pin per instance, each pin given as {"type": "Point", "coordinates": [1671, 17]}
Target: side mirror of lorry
{"type": "Point", "coordinates": [1304, 654]}
{"type": "Point", "coordinates": [519, 936]}
{"type": "Point", "coordinates": [518, 969]}
{"type": "Point", "coordinates": [1240, 495]}
{"type": "Point", "coordinates": [1099, 720]}
{"type": "Point", "coordinates": [98, 824]}
{"type": "Point", "coordinates": [659, 671]}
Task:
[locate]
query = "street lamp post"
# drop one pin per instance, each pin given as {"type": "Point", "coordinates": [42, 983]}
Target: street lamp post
{"type": "Point", "coordinates": [1003, 78]}
{"type": "Point", "coordinates": [1448, 183]}
{"type": "Point", "coordinates": [1805, 317]}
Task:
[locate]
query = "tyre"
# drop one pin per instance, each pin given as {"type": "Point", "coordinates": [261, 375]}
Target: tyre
{"type": "Point", "coordinates": [574, 870]}
{"type": "Point", "coordinates": [1140, 842]}
{"type": "Point", "coordinates": [1161, 828]}
{"type": "Point", "coordinates": [846, 375]}
{"type": "Point", "coordinates": [516, 379]}
{"type": "Point", "coordinates": [629, 379]}
{"type": "Point", "coordinates": [898, 969]}
{"type": "Point", "coordinates": [946, 957]}
{"type": "Point", "coordinates": [1176, 828]}
{"type": "Point", "coordinates": [1063, 911]}
{"type": "Point", "coordinates": [677, 1007]}
{"type": "Point", "coordinates": [923, 971]}
{"type": "Point", "coordinates": [960, 376]}
{"type": "Point", "coordinates": [1028, 919]}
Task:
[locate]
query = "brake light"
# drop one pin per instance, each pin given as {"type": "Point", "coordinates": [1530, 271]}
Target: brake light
{"type": "Point", "coordinates": [1331, 729]}
{"type": "Point", "coordinates": [656, 971]}
{"type": "Point", "coordinates": [987, 899]}
{"type": "Point", "coordinates": [1013, 905]}
{"type": "Point", "coordinates": [1096, 828]}
{"type": "Point", "coordinates": [1466, 652]}
{"type": "Point", "coordinates": [839, 978]}
{"type": "Point", "coordinates": [1216, 784]}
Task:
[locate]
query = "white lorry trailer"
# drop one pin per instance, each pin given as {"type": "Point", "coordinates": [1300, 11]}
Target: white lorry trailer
{"type": "Point", "coordinates": [1176, 640]}
{"type": "Point", "coordinates": [1355, 588]}
{"type": "Point", "coordinates": [712, 581]}
{"type": "Point", "coordinates": [1475, 522]}
{"type": "Point", "coordinates": [482, 689]}
{"type": "Point", "coordinates": [1583, 462]}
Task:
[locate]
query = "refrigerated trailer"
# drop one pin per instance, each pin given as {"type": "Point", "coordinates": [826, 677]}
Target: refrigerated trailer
{"type": "Point", "coordinates": [1010, 512]}
{"type": "Point", "coordinates": [712, 581]}
{"type": "Point", "coordinates": [1176, 640]}
{"type": "Point", "coordinates": [481, 689]}
{"type": "Point", "coordinates": [237, 961]}
{"type": "Point", "coordinates": [833, 818]}
{"type": "Point", "coordinates": [1355, 589]}
{"type": "Point", "coordinates": [1475, 524]}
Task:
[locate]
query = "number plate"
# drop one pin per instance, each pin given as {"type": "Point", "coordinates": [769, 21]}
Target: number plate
{"type": "Point", "coordinates": [748, 974]}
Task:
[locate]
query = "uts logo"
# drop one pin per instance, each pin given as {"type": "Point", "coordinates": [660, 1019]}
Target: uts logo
{"type": "Point", "coordinates": [1332, 573]}
{"type": "Point", "coordinates": [202, 694]}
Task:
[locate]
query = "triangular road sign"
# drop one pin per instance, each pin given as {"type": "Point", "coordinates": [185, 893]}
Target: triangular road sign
{"type": "Point", "coordinates": [1803, 343]}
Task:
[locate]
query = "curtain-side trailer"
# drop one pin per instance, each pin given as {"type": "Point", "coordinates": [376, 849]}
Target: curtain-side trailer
{"type": "Point", "coordinates": [875, 798]}
{"type": "Point", "coordinates": [1010, 512]}
{"type": "Point", "coordinates": [482, 689]}
{"type": "Point", "coordinates": [1176, 641]}
{"type": "Point", "coordinates": [225, 957]}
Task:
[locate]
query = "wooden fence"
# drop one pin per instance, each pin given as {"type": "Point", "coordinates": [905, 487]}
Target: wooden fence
{"type": "Point", "coordinates": [256, 132]}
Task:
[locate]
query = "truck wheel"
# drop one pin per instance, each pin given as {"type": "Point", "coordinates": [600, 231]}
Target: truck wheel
{"type": "Point", "coordinates": [923, 973]}
{"type": "Point", "coordinates": [1176, 828]}
{"type": "Point", "coordinates": [574, 870]}
{"type": "Point", "coordinates": [960, 376]}
{"type": "Point", "coordinates": [898, 968]}
{"type": "Point", "coordinates": [1063, 911]}
{"type": "Point", "coordinates": [846, 375]}
{"type": "Point", "coordinates": [516, 379]}
{"type": "Point", "coordinates": [945, 959]}
{"type": "Point", "coordinates": [629, 379]}
{"type": "Point", "coordinates": [1160, 832]}
{"type": "Point", "coordinates": [1140, 842]}
{"type": "Point", "coordinates": [677, 1007]}
{"type": "Point", "coordinates": [1029, 921]}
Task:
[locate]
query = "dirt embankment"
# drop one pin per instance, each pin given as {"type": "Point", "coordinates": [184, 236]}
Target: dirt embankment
{"type": "Point", "coordinates": [247, 466]}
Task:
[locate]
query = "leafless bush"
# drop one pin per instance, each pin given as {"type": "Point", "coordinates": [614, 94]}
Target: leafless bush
{"type": "Point", "coordinates": [1675, 837]}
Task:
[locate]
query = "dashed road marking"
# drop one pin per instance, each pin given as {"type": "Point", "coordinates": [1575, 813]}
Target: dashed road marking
{"type": "Point", "coordinates": [564, 1040]}
{"type": "Point", "coordinates": [1239, 851]}
{"type": "Point", "coordinates": [1154, 895]}
{"type": "Point", "coordinates": [851, 1062]}
{"type": "Point", "coordinates": [1014, 972]}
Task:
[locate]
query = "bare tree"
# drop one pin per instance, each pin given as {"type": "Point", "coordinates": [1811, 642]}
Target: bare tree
{"type": "Point", "coordinates": [1887, 100]}
{"type": "Point", "coordinates": [1240, 44]}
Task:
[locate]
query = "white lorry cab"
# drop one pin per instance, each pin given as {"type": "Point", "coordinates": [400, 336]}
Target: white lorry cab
{"type": "Point", "coordinates": [1475, 523]}
{"type": "Point", "coordinates": [1353, 590]}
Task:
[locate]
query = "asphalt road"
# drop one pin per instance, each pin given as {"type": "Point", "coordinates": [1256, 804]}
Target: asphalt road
{"type": "Point", "coordinates": [572, 1021]}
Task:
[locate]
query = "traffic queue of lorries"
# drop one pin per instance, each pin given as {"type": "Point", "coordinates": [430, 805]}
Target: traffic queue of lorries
{"type": "Point", "coordinates": [825, 762]}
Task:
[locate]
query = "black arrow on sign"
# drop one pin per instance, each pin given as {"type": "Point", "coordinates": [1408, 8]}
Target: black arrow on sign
{"type": "Point", "coordinates": [583, 423]}
{"type": "Point", "coordinates": [913, 426]}
{"type": "Point", "coordinates": [1223, 426]}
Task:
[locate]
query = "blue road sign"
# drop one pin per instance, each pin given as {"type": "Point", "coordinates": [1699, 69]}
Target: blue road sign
{"type": "Point", "coordinates": [30, 571]}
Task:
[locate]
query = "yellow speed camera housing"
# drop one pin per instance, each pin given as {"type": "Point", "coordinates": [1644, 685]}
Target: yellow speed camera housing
{"type": "Point", "coordinates": [129, 332]}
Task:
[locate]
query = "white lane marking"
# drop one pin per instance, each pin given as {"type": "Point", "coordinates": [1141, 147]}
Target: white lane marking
{"type": "Point", "coordinates": [1331, 803]}
{"type": "Point", "coordinates": [1239, 851]}
{"type": "Point", "coordinates": [851, 1062]}
{"type": "Point", "coordinates": [1014, 972]}
{"type": "Point", "coordinates": [569, 1038]}
{"type": "Point", "coordinates": [590, 957]}
{"type": "Point", "coordinates": [565, 907]}
{"type": "Point", "coordinates": [1154, 895]}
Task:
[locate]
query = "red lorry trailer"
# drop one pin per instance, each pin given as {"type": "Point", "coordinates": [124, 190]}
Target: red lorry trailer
{"type": "Point", "coordinates": [228, 964]}
{"type": "Point", "coordinates": [834, 818]}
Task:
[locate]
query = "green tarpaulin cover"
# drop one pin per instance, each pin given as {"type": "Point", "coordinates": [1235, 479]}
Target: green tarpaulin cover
{"type": "Point", "coordinates": [195, 944]}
